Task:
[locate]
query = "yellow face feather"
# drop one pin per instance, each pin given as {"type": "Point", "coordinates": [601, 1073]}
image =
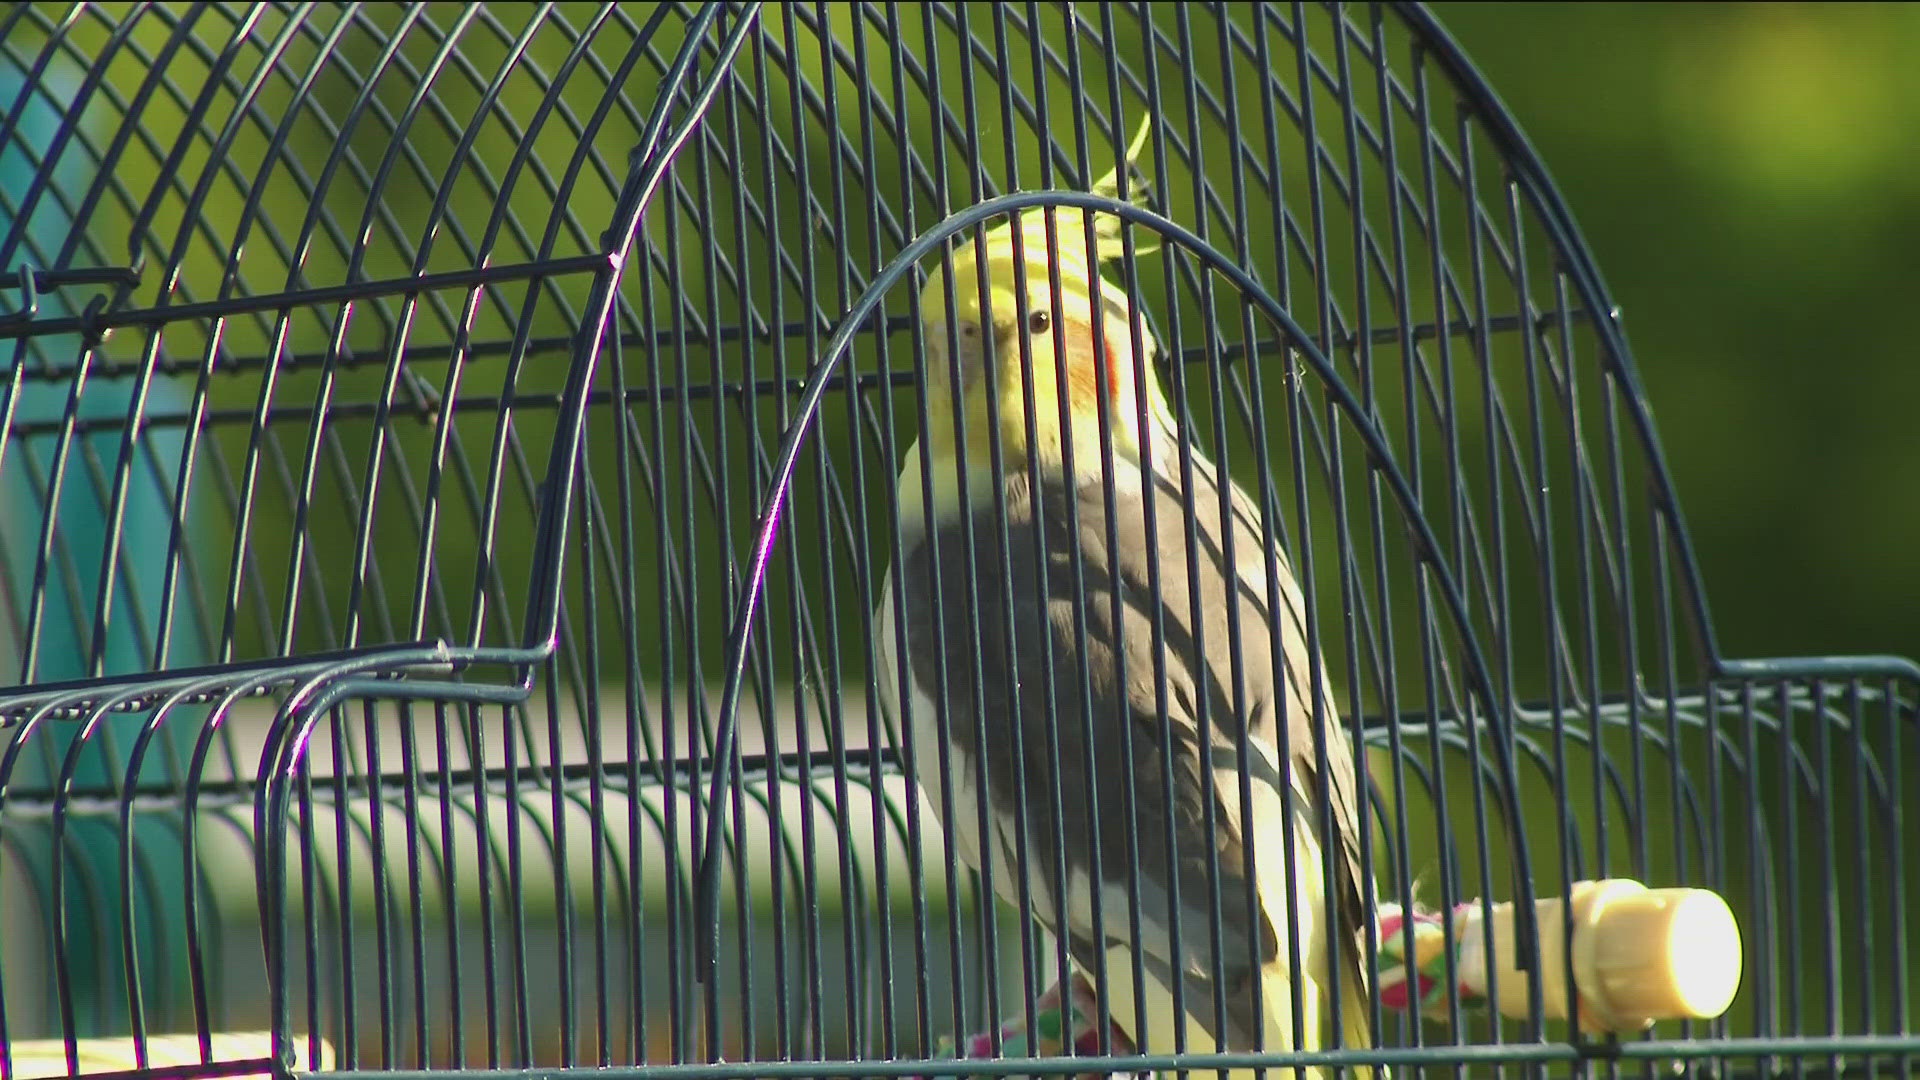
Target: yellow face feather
{"type": "Point", "coordinates": [988, 333]}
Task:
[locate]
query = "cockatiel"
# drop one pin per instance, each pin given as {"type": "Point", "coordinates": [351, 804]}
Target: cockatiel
{"type": "Point", "coordinates": [1277, 718]}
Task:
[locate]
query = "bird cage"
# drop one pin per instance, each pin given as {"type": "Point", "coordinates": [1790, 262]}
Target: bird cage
{"type": "Point", "coordinates": [450, 477]}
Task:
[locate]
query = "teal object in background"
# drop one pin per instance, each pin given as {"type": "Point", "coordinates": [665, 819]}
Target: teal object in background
{"type": "Point", "coordinates": [92, 841]}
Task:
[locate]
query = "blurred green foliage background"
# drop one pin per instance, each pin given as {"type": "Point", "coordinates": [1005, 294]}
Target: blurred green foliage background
{"type": "Point", "coordinates": [1745, 175]}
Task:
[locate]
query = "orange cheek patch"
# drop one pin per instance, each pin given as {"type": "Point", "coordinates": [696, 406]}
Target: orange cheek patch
{"type": "Point", "coordinates": [1113, 372]}
{"type": "Point", "coordinates": [1083, 374]}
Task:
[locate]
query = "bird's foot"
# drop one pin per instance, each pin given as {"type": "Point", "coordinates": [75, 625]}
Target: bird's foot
{"type": "Point", "coordinates": [1067, 1022]}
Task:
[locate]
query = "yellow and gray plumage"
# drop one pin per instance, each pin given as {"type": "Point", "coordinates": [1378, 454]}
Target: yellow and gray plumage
{"type": "Point", "coordinates": [1267, 707]}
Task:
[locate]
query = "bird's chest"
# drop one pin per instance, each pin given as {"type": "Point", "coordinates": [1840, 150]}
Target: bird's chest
{"type": "Point", "coordinates": [966, 745]}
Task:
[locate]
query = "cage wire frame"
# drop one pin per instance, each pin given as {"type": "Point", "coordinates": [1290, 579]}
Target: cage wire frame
{"type": "Point", "coordinates": [266, 777]}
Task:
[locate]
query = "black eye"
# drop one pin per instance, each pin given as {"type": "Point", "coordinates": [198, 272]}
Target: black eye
{"type": "Point", "coordinates": [1038, 322]}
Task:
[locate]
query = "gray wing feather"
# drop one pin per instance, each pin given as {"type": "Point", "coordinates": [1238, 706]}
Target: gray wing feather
{"type": "Point", "coordinates": [1115, 720]}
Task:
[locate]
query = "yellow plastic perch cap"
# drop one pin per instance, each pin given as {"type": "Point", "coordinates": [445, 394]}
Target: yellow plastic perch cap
{"type": "Point", "coordinates": [1642, 955]}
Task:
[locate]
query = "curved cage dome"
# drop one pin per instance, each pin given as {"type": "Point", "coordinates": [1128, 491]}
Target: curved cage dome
{"type": "Point", "coordinates": [448, 466]}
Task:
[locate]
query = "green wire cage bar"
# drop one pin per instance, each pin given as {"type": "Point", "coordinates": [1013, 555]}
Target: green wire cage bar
{"type": "Point", "coordinates": [449, 468]}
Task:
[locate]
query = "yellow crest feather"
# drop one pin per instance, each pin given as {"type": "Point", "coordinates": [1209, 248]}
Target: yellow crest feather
{"type": "Point", "coordinates": [1068, 253]}
{"type": "Point", "coordinates": [994, 251]}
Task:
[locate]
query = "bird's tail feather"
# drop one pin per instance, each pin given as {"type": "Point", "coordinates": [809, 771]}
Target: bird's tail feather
{"type": "Point", "coordinates": [1356, 1028]}
{"type": "Point", "coordinates": [1277, 993]}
